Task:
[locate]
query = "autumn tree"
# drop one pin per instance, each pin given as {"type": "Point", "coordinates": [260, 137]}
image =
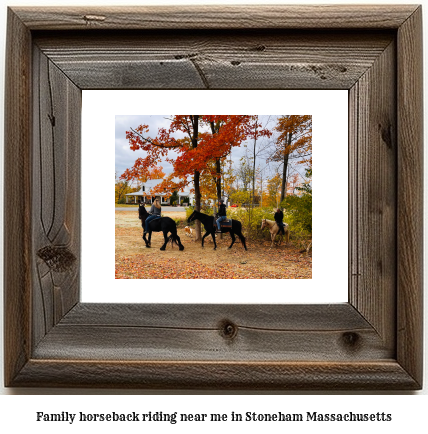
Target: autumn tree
{"type": "Point", "coordinates": [228, 177]}
{"type": "Point", "coordinates": [156, 149]}
{"type": "Point", "coordinates": [244, 174]}
{"type": "Point", "coordinates": [121, 189]}
{"type": "Point", "coordinates": [229, 131]}
{"type": "Point", "coordinates": [294, 142]}
{"type": "Point", "coordinates": [299, 207]}
{"type": "Point", "coordinates": [273, 188]}
{"type": "Point", "coordinates": [293, 182]}
{"type": "Point", "coordinates": [153, 173]}
{"type": "Point", "coordinates": [208, 186]}
{"type": "Point", "coordinates": [197, 140]}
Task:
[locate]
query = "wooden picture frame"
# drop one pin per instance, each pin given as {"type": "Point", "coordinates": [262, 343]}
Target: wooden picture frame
{"type": "Point", "coordinates": [372, 342]}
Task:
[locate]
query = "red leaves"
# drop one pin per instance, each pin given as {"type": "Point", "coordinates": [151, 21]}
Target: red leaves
{"type": "Point", "coordinates": [196, 144]}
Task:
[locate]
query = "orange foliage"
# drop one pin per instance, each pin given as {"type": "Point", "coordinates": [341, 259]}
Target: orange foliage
{"type": "Point", "coordinates": [295, 137]}
{"type": "Point", "coordinates": [273, 192]}
{"type": "Point", "coordinates": [142, 174]}
{"type": "Point", "coordinates": [293, 182]}
{"type": "Point", "coordinates": [195, 150]}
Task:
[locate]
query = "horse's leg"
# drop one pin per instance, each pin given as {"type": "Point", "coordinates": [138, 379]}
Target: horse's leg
{"type": "Point", "coordinates": [180, 246]}
{"type": "Point", "coordinates": [203, 238]}
{"type": "Point", "coordinates": [145, 240]}
{"type": "Point", "coordinates": [272, 239]}
{"type": "Point", "coordinates": [279, 233]}
{"type": "Point", "coordinates": [242, 238]}
{"type": "Point", "coordinates": [166, 238]}
{"type": "Point", "coordinates": [175, 238]}
{"type": "Point", "coordinates": [232, 235]}
{"type": "Point", "coordinates": [150, 239]}
{"type": "Point", "coordinates": [213, 235]}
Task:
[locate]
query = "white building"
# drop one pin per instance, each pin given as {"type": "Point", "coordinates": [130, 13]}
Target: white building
{"type": "Point", "coordinates": [145, 195]}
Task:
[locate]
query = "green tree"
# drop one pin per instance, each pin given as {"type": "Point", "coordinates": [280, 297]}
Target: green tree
{"type": "Point", "coordinates": [174, 198]}
{"type": "Point", "coordinates": [298, 208]}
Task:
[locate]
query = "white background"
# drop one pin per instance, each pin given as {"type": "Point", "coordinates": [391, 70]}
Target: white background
{"type": "Point", "coordinates": [18, 412]}
{"type": "Point", "coordinates": [329, 283]}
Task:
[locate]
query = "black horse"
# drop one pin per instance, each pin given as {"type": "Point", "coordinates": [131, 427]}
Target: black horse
{"type": "Point", "coordinates": [210, 226]}
{"type": "Point", "coordinates": [163, 224]}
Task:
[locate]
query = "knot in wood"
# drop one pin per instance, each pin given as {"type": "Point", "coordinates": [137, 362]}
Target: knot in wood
{"type": "Point", "coordinates": [228, 330]}
{"type": "Point", "coordinates": [58, 259]}
{"type": "Point", "coordinates": [386, 134]}
{"type": "Point", "coordinates": [351, 340]}
{"type": "Point", "coordinates": [93, 18]}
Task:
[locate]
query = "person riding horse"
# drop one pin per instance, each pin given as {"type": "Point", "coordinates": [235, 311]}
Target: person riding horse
{"type": "Point", "coordinates": [221, 214]}
{"type": "Point", "coordinates": [155, 212]}
{"type": "Point", "coordinates": [166, 225]}
{"type": "Point", "coordinates": [279, 216]}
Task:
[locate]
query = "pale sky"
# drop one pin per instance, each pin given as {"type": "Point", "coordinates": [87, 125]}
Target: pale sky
{"type": "Point", "coordinates": [125, 158]}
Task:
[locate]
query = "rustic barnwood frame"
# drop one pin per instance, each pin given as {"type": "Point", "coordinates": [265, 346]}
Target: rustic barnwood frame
{"type": "Point", "coordinates": [372, 342]}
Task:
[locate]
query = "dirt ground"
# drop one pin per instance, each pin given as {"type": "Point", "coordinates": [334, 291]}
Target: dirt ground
{"type": "Point", "coordinates": [135, 261]}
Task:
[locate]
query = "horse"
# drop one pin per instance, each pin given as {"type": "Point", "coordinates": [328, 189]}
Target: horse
{"type": "Point", "coordinates": [210, 226]}
{"type": "Point", "coordinates": [275, 230]}
{"type": "Point", "coordinates": [162, 224]}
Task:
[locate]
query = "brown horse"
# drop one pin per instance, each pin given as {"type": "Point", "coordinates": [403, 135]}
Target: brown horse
{"type": "Point", "coordinates": [275, 230]}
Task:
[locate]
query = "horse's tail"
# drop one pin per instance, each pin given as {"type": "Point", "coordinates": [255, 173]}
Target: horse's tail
{"type": "Point", "coordinates": [176, 238]}
{"type": "Point", "coordinates": [173, 236]}
{"type": "Point", "coordinates": [241, 236]}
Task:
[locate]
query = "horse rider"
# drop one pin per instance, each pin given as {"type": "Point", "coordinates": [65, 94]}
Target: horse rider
{"type": "Point", "coordinates": [221, 214]}
{"type": "Point", "coordinates": [155, 212]}
{"type": "Point", "coordinates": [279, 215]}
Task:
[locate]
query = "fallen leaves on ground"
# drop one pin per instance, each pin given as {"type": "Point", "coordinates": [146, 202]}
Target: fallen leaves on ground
{"type": "Point", "coordinates": [134, 261]}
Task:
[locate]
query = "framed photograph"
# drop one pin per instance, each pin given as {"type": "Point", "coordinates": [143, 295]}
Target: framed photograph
{"type": "Point", "coordinates": [373, 341]}
{"type": "Point", "coordinates": [123, 251]}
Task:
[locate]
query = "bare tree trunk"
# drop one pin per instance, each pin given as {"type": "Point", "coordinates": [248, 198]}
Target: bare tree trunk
{"type": "Point", "coordinates": [217, 166]}
{"type": "Point", "coordinates": [196, 176]}
{"type": "Point", "coordinates": [218, 179]}
{"type": "Point", "coordinates": [284, 170]}
{"type": "Point", "coordinates": [284, 179]}
{"type": "Point", "coordinates": [254, 166]}
{"type": "Point", "coordinates": [254, 173]}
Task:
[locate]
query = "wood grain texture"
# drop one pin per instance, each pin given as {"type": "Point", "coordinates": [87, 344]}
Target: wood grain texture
{"type": "Point", "coordinates": [217, 17]}
{"type": "Point", "coordinates": [216, 59]}
{"type": "Point", "coordinates": [386, 375]}
{"type": "Point", "coordinates": [210, 316]}
{"type": "Point", "coordinates": [372, 342]}
{"type": "Point", "coordinates": [373, 174]}
{"type": "Point", "coordinates": [56, 194]}
{"type": "Point", "coordinates": [197, 332]}
{"type": "Point", "coordinates": [410, 196]}
{"type": "Point", "coordinates": [17, 198]}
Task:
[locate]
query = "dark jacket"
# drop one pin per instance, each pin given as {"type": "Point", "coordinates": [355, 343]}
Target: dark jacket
{"type": "Point", "coordinates": [222, 210]}
{"type": "Point", "coordinates": [279, 215]}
